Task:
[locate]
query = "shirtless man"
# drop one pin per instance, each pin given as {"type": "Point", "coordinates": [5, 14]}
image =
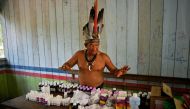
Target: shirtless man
{"type": "Point", "coordinates": [91, 62]}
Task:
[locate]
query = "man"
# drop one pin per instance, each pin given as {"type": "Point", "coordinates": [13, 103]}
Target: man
{"type": "Point", "coordinates": [91, 62]}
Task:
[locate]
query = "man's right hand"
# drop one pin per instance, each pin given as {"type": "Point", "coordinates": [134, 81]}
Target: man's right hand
{"type": "Point", "coordinates": [65, 67]}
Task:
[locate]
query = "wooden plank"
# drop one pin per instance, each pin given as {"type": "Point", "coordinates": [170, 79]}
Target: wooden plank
{"type": "Point", "coordinates": [75, 28]}
{"type": "Point", "coordinates": [53, 36]}
{"type": "Point", "coordinates": [83, 19]}
{"type": "Point", "coordinates": [19, 80]}
{"type": "Point", "coordinates": [46, 29]}
{"type": "Point", "coordinates": [12, 85]}
{"type": "Point", "coordinates": [121, 28]}
{"type": "Point", "coordinates": [33, 10]}
{"type": "Point", "coordinates": [13, 78]}
{"type": "Point", "coordinates": [10, 59]}
{"type": "Point", "coordinates": [67, 28]}
{"type": "Point", "coordinates": [13, 33]}
{"type": "Point", "coordinates": [34, 32]}
{"type": "Point", "coordinates": [182, 39]}
{"type": "Point", "coordinates": [41, 37]}
{"type": "Point", "coordinates": [28, 33]}
{"type": "Point", "coordinates": [46, 34]}
{"type": "Point", "coordinates": [143, 37]}
{"type": "Point", "coordinates": [29, 38]}
{"type": "Point", "coordinates": [89, 4]}
{"type": "Point", "coordinates": [156, 37]}
{"type": "Point", "coordinates": [11, 55]}
{"type": "Point", "coordinates": [23, 31]}
{"type": "Point", "coordinates": [3, 87]}
{"type": "Point", "coordinates": [60, 38]}
{"type": "Point", "coordinates": [132, 35]}
{"type": "Point", "coordinates": [169, 29]}
{"type": "Point", "coordinates": [18, 34]}
{"type": "Point", "coordinates": [3, 79]}
{"type": "Point", "coordinates": [188, 33]}
{"type": "Point", "coordinates": [110, 29]}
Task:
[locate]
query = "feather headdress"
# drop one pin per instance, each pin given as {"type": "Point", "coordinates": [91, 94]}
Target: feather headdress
{"type": "Point", "coordinates": [94, 26]}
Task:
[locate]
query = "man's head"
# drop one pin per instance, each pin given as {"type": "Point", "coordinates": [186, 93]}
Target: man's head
{"type": "Point", "coordinates": [93, 28]}
{"type": "Point", "coordinates": [92, 46]}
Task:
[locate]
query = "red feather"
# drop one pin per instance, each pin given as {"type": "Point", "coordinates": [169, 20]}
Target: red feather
{"type": "Point", "coordinates": [96, 16]}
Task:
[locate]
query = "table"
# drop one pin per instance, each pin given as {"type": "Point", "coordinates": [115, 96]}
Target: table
{"type": "Point", "coordinates": [21, 103]}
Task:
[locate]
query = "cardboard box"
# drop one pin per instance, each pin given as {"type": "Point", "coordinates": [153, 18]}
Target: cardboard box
{"type": "Point", "coordinates": [160, 94]}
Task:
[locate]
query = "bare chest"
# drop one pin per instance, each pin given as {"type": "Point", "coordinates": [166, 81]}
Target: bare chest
{"type": "Point", "coordinates": [97, 65]}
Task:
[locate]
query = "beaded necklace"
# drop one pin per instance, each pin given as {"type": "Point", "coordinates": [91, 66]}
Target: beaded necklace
{"type": "Point", "coordinates": [90, 63]}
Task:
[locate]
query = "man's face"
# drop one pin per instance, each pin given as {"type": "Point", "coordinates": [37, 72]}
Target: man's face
{"type": "Point", "coordinates": [93, 48]}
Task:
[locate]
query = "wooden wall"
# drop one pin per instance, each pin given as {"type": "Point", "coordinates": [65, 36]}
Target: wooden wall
{"type": "Point", "coordinates": [151, 36]}
{"type": "Point", "coordinates": [3, 81]}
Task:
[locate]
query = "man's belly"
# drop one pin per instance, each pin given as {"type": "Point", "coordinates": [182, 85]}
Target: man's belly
{"type": "Point", "coordinates": [93, 78]}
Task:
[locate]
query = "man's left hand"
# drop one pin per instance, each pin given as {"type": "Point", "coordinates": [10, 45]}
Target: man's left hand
{"type": "Point", "coordinates": [122, 71]}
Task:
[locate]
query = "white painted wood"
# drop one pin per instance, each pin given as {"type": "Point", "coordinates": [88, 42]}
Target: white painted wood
{"type": "Point", "coordinates": [121, 33]}
{"type": "Point", "coordinates": [33, 21]}
{"type": "Point", "coordinates": [60, 37]}
{"type": "Point", "coordinates": [35, 47]}
{"type": "Point", "coordinates": [53, 35]}
{"type": "Point", "coordinates": [8, 27]}
{"type": "Point", "coordinates": [89, 4]}
{"type": "Point", "coordinates": [74, 27]}
{"type": "Point", "coordinates": [46, 33]}
{"type": "Point", "coordinates": [188, 35]}
{"type": "Point", "coordinates": [28, 33]}
{"type": "Point", "coordinates": [41, 37]}
{"type": "Point", "coordinates": [18, 34]}
{"type": "Point", "coordinates": [110, 29]}
{"type": "Point", "coordinates": [169, 28]}
{"type": "Point", "coordinates": [83, 19]}
{"type": "Point", "coordinates": [24, 42]}
{"type": "Point", "coordinates": [143, 37]}
{"type": "Point", "coordinates": [132, 35]}
{"type": "Point", "coordinates": [8, 34]}
{"type": "Point", "coordinates": [23, 32]}
{"type": "Point", "coordinates": [156, 37]}
{"type": "Point", "coordinates": [67, 28]}
{"type": "Point", "coordinates": [182, 39]}
{"type": "Point", "coordinates": [13, 33]}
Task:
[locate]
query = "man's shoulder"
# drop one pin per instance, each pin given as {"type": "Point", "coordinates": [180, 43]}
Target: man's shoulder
{"type": "Point", "coordinates": [79, 52]}
{"type": "Point", "coordinates": [104, 55]}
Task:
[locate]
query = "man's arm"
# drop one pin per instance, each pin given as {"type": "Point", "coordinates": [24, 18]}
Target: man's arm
{"type": "Point", "coordinates": [70, 63]}
{"type": "Point", "coordinates": [111, 67]}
